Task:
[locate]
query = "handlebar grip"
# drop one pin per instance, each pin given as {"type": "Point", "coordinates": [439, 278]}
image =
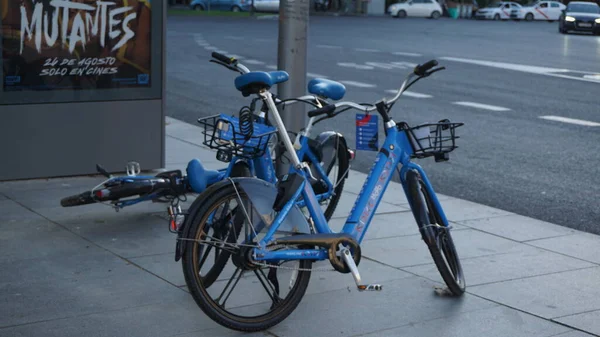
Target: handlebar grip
{"type": "Point", "coordinates": [321, 111]}
{"type": "Point", "coordinates": [223, 58]}
{"type": "Point", "coordinates": [420, 70]}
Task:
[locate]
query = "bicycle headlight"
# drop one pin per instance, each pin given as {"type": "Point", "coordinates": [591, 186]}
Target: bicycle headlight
{"type": "Point", "coordinates": [570, 19]}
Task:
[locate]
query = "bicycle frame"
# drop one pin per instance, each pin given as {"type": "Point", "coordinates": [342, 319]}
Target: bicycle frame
{"type": "Point", "coordinates": [396, 150]}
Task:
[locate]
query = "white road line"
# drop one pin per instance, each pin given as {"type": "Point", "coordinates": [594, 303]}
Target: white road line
{"type": "Point", "coordinates": [270, 66]}
{"type": "Point", "coordinates": [595, 77]}
{"type": "Point", "coordinates": [409, 93]}
{"type": "Point", "coordinates": [328, 46]}
{"type": "Point", "coordinates": [367, 50]}
{"type": "Point", "coordinates": [354, 65]}
{"type": "Point", "coordinates": [221, 51]}
{"type": "Point", "coordinates": [236, 57]}
{"type": "Point", "coordinates": [211, 48]}
{"type": "Point", "coordinates": [406, 54]}
{"type": "Point", "coordinates": [547, 71]}
{"type": "Point", "coordinates": [482, 106]}
{"type": "Point", "coordinates": [315, 75]}
{"type": "Point", "coordinates": [570, 120]}
{"type": "Point", "coordinates": [254, 62]}
{"type": "Point", "coordinates": [263, 40]}
{"type": "Point", "coordinates": [233, 37]}
{"type": "Point", "coordinates": [358, 84]}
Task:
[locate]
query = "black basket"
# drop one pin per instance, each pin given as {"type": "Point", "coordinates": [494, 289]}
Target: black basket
{"type": "Point", "coordinates": [248, 140]}
{"type": "Point", "coordinates": [432, 139]}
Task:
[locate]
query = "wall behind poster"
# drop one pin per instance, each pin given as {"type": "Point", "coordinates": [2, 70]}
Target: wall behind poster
{"type": "Point", "coordinates": [80, 50]}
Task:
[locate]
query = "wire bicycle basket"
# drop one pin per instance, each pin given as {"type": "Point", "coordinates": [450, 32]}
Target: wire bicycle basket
{"type": "Point", "coordinates": [432, 139]}
{"type": "Point", "coordinates": [241, 137]}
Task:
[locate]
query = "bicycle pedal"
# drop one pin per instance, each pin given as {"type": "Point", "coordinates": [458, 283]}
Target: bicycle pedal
{"type": "Point", "coordinates": [347, 256]}
{"type": "Point", "coordinates": [370, 287]}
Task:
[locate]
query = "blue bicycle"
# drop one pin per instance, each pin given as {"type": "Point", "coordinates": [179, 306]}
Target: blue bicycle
{"type": "Point", "coordinates": [244, 147]}
{"type": "Point", "coordinates": [265, 228]}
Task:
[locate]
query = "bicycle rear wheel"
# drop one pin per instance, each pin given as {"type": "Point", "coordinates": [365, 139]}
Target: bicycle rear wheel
{"type": "Point", "coordinates": [435, 234]}
{"type": "Point", "coordinates": [196, 238]}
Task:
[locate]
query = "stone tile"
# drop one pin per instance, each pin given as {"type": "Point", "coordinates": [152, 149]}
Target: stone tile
{"type": "Point", "coordinates": [175, 314]}
{"type": "Point", "coordinates": [502, 267]}
{"type": "Point", "coordinates": [458, 210]}
{"type": "Point", "coordinates": [2, 197]}
{"type": "Point", "coordinates": [71, 285]}
{"type": "Point", "coordinates": [497, 321]}
{"type": "Point", "coordinates": [347, 202]}
{"type": "Point", "coordinates": [164, 266]}
{"type": "Point", "coordinates": [588, 321]}
{"type": "Point", "coordinates": [573, 333]}
{"type": "Point", "coordinates": [408, 251]}
{"type": "Point", "coordinates": [387, 225]}
{"type": "Point", "coordinates": [583, 246]}
{"type": "Point", "coordinates": [179, 151]}
{"type": "Point", "coordinates": [344, 313]}
{"type": "Point", "coordinates": [13, 214]}
{"type": "Point", "coordinates": [50, 184]}
{"type": "Point", "coordinates": [518, 228]}
{"type": "Point", "coordinates": [548, 296]}
{"type": "Point", "coordinates": [34, 239]}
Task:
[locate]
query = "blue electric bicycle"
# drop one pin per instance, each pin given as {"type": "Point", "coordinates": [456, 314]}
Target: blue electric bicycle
{"type": "Point", "coordinates": [261, 226]}
{"type": "Point", "coordinates": [242, 143]}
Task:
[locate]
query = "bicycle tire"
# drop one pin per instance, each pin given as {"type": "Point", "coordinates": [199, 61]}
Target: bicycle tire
{"type": "Point", "coordinates": [343, 165]}
{"type": "Point", "coordinates": [84, 198]}
{"type": "Point", "coordinates": [198, 291]}
{"type": "Point", "coordinates": [421, 204]}
{"type": "Point", "coordinates": [239, 169]}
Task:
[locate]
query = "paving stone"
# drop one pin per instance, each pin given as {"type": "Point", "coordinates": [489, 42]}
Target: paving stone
{"type": "Point", "coordinates": [583, 246]}
{"type": "Point", "coordinates": [174, 314]}
{"type": "Point", "coordinates": [588, 321]}
{"type": "Point", "coordinates": [502, 266]}
{"type": "Point", "coordinates": [573, 333]}
{"type": "Point", "coordinates": [344, 313]}
{"type": "Point", "coordinates": [518, 228]}
{"type": "Point", "coordinates": [458, 210]}
{"type": "Point", "coordinates": [408, 251]}
{"type": "Point", "coordinates": [347, 202]}
{"type": "Point", "coordinates": [81, 284]}
{"type": "Point", "coordinates": [548, 296]}
{"type": "Point", "coordinates": [14, 215]}
{"type": "Point", "coordinates": [497, 321]}
{"type": "Point", "coordinates": [387, 225]}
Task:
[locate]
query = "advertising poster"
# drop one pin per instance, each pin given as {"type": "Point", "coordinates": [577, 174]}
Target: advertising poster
{"type": "Point", "coordinates": [75, 44]}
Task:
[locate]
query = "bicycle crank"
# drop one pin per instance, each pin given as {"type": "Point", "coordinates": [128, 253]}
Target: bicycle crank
{"type": "Point", "coordinates": [347, 256]}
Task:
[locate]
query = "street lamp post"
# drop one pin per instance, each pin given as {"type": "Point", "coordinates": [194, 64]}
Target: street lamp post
{"type": "Point", "coordinates": [293, 31]}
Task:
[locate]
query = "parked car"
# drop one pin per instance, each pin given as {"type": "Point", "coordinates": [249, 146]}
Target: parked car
{"type": "Point", "coordinates": [539, 10]}
{"type": "Point", "coordinates": [416, 8]}
{"type": "Point", "coordinates": [266, 5]}
{"type": "Point", "coordinates": [497, 11]}
{"type": "Point", "coordinates": [221, 5]}
{"type": "Point", "coordinates": [580, 16]}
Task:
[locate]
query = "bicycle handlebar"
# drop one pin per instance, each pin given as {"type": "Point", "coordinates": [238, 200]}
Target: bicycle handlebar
{"type": "Point", "coordinates": [420, 71]}
{"type": "Point", "coordinates": [229, 62]}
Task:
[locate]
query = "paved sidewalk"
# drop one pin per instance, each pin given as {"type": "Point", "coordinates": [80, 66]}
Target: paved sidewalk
{"type": "Point", "coordinates": [88, 271]}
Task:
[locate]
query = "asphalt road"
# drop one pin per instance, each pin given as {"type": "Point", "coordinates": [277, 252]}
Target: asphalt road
{"type": "Point", "coordinates": [508, 157]}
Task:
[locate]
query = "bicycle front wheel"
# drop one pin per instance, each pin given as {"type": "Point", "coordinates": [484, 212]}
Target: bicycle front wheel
{"type": "Point", "coordinates": [436, 235]}
{"type": "Point", "coordinates": [244, 311]}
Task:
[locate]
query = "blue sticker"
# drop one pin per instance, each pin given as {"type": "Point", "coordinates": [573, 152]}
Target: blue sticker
{"type": "Point", "coordinates": [367, 132]}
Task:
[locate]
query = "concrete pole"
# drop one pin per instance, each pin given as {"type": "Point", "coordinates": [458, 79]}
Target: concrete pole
{"type": "Point", "coordinates": [293, 33]}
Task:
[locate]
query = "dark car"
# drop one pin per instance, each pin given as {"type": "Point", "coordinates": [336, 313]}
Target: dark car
{"type": "Point", "coordinates": [580, 16]}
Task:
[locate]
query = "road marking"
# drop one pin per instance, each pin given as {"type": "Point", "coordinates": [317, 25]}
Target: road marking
{"type": "Point", "coordinates": [570, 120]}
{"type": "Point", "coordinates": [409, 93]}
{"type": "Point", "coordinates": [482, 106]}
{"type": "Point", "coordinates": [315, 75]}
{"type": "Point", "coordinates": [211, 48]}
{"type": "Point", "coordinates": [367, 50]}
{"type": "Point", "coordinates": [354, 65]}
{"type": "Point", "coordinates": [358, 84]}
{"type": "Point", "coordinates": [406, 54]}
{"type": "Point", "coordinates": [236, 57]}
{"type": "Point", "coordinates": [270, 66]}
{"type": "Point", "coordinates": [254, 62]}
{"type": "Point", "coordinates": [328, 46]}
{"type": "Point", "coordinates": [263, 40]}
{"type": "Point", "coordinates": [220, 52]}
{"type": "Point", "coordinates": [380, 65]}
{"type": "Point", "coordinates": [554, 72]}
{"type": "Point", "coordinates": [595, 77]}
{"type": "Point", "coordinates": [233, 37]}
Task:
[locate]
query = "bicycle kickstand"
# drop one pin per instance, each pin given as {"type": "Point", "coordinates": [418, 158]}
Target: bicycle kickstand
{"type": "Point", "coordinates": [347, 256]}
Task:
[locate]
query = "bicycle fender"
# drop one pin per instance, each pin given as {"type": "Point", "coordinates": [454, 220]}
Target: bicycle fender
{"type": "Point", "coordinates": [329, 139]}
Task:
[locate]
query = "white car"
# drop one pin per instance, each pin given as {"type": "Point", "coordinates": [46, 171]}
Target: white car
{"type": "Point", "coordinates": [266, 5]}
{"type": "Point", "coordinates": [497, 11]}
{"type": "Point", "coordinates": [539, 10]}
{"type": "Point", "coordinates": [416, 8]}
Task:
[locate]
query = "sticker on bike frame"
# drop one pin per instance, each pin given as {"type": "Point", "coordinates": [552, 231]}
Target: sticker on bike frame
{"type": "Point", "coordinates": [367, 133]}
